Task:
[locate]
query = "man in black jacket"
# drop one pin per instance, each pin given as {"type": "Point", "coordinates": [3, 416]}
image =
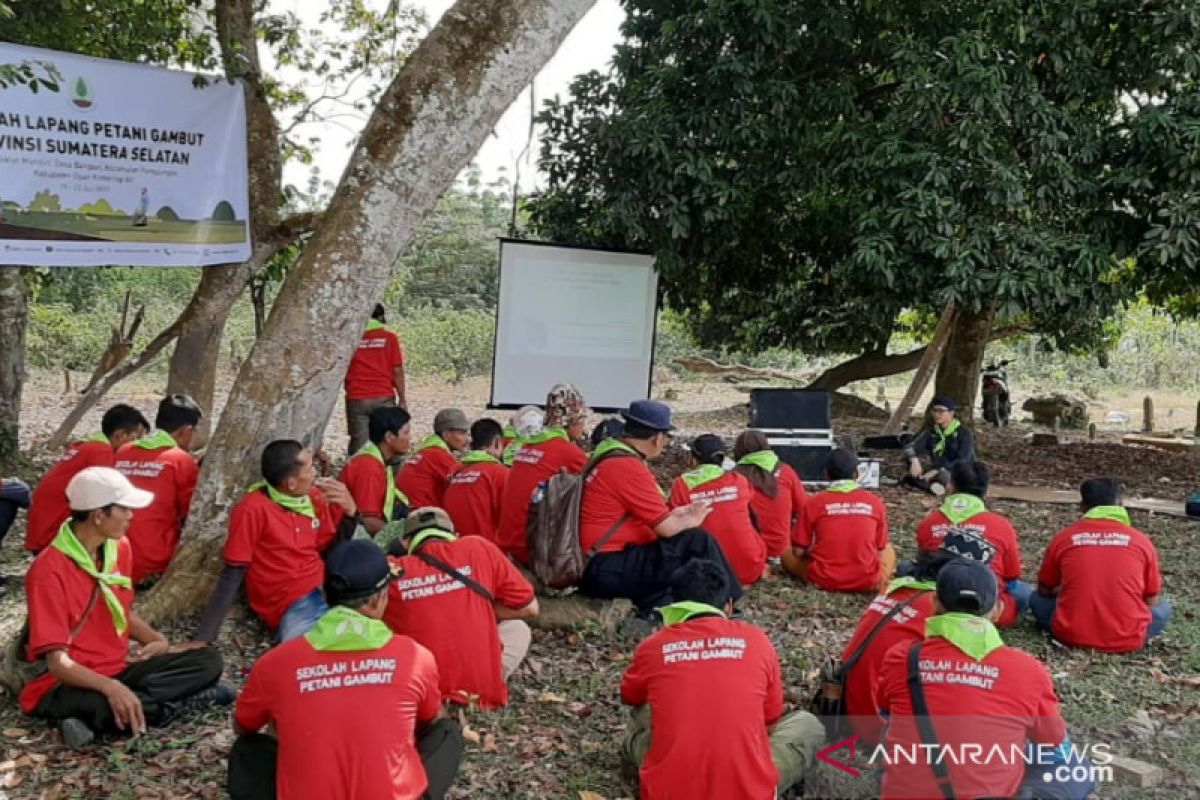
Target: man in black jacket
{"type": "Point", "coordinates": [937, 447]}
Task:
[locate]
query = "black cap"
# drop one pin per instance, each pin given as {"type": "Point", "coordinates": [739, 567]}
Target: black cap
{"type": "Point", "coordinates": [967, 586]}
{"type": "Point", "coordinates": [708, 446]}
{"type": "Point", "coordinates": [356, 569]}
{"type": "Point", "coordinates": [842, 463]}
{"type": "Point", "coordinates": [945, 401]}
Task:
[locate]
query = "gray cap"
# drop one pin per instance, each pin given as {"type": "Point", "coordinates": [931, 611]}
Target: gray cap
{"type": "Point", "coordinates": [450, 419]}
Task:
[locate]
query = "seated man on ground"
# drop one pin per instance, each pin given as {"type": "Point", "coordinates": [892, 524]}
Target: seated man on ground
{"type": "Point", "coordinates": [707, 694]}
{"type": "Point", "coordinates": [728, 496]}
{"type": "Point", "coordinates": [779, 496]}
{"type": "Point", "coordinates": [475, 492]}
{"type": "Point", "coordinates": [980, 696]}
{"type": "Point", "coordinates": [946, 441]}
{"type": "Point", "coordinates": [80, 598]}
{"type": "Point", "coordinates": [1099, 585]}
{"type": "Point", "coordinates": [963, 508]}
{"type": "Point", "coordinates": [48, 507]}
{"type": "Point", "coordinates": [524, 423]}
{"type": "Point", "coordinates": [843, 545]}
{"type": "Point", "coordinates": [369, 475]}
{"type": "Point", "coordinates": [277, 532]}
{"type": "Point", "coordinates": [541, 456]}
{"type": "Point", "coordinates": [632, 541]}
{"type": "Point", "coordinates": [423, 477]}
{"type": "Point", "coordinates": [466, 602]}
{"type": "Point", "coordinates": [356, 708]}
{"type": "Point", "coordinates": [160, 464]}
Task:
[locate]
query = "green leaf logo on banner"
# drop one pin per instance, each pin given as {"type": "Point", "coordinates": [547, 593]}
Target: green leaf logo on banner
{"type": "Point", "coordinates": [81, 94]}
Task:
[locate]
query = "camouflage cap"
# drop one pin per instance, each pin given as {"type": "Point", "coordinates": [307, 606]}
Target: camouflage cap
{"type": "Point", "coordinates": [564, 406]}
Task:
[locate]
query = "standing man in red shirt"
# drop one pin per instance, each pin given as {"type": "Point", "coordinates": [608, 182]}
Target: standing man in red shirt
{"type": "Point", "coordinates": [423, 477]}
{"type": "Point", "coordinates": [48, 508]}
{"type": "Point", "coordinates": [374, 379]}
{"type": "Point", "coordinates": [844, 545]}
{"type": "Point", "coordinates": [369, 475]}
{"type": "Point", "coordinates": [277, 533]}
{"type": "Point", "coordinates": [475, 490]}
{"type": "Point", "coordinates": [1100, 586]}
{"type": "Point", "coordinates": [466, 602]}
{"type": "Point", "coordinates": [707, 694]}
{"type": "Point", "coordinates": [161, 464]}
{"type": "Point", "coordinates": [356, 708]}
{"type": "Point", "coordinates": [779, 495]}
{"type": "Point", "coordinates": [540, 456]}
{"type": "Point", "coordinates": [81, 619]}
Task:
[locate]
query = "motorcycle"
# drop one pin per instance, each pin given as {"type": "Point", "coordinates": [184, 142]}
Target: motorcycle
{"type": "Point", "coordinates": [997, 406]}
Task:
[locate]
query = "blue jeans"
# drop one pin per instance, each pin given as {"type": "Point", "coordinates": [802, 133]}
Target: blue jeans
{"type": "Point", "coordinates": [14, 494]}
{"type": "Point", "coordinates": [1040, 781]}
{"type": "Point", "coordinates": [302, 615]}
{"type": "Point", "coordinates": [1020, 591]}
{"type": "Point", "coordinates": [1160, 613]}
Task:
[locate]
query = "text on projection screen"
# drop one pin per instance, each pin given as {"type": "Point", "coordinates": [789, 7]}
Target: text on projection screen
{"type": "Point", "coordinates": [581, 316]}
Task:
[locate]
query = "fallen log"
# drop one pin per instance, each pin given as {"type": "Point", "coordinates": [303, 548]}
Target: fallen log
{"type": "Point", "coordinates": [740, 372]}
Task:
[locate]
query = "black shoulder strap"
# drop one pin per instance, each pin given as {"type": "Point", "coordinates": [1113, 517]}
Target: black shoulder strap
{"type": "Point", "coordinates": [925, 723]}
{"type": "Point", "coordinates": [875, 631]}
{"type": "Point", "coordinates": [445, 568]}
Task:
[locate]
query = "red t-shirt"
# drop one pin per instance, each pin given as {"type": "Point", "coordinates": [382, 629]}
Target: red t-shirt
{"type": "Point", "coordinates": [367, 479]}
{"type": "Point", "coordinates": [844, 533]}
{"type": "Point", "coordinates": [533, 464]}
{"type": "Point", "coordinates": [618, 485]}
{"type": "Point", "coordinates": [473, 498]}
{"type": "Point", "coordinates": [908, 625]}
{"type": "Point", "coordinates": [1000, 702]}
{"type": "Point", "coordinates": [170, 473]}
{"type": "Point", "coordinates": [1106, 570]}
{"type": "Point", "coordinates": [713, 686]}
{"type": "Point", "coordinates": [999, 532]}
{"type": "Point", "coordinates": [48, 507]}
{"type": "Point", "coordinates": [423, 476]}
{"type": "Point", "coordinates": [281, 550]}
{"type": "Point", "coordinates": [779, 517]}
{"type": "Point", "coordinates": [728, 521]}
{"type": "Point", "coordinates": [341, 739]}
{"type": "Point", "coordinates": [454, 621]}
{"type": "Point", "coordinates": [57, 592]}
{"type": "Point", "coordinates": [370, 374]}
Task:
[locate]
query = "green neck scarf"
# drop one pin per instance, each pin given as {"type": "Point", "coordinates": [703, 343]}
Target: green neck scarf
{"type": "Point", "coordinates": [480, 457]}
{"type": "Point", "coordinates": [429, 533]}
{"type": "Point", "coordinates": [706, 473]}
{"type": "Point", "coordinates": [155, 440]}
{"type": "Point", "coordinates": [510, 452]}
{"type": "Point", "coordinates": [433, 440]}
{"type": "Point", "coordinates": [910, 583]}
{"type": "Point", "coordinates": [685, 610]}
{"type": "Point", "coordinates": [393, 494]}
{"type": "Point", "coordinates": [300, 505]}
{"type": "Point", "coordinates": [959, 508]}
{"type": "Point", "coordinates": [944, 435]}
{"type": "Point", "coordinates": [375, 325]}
{"type": "Point", "coordinates": [1114, 513]}
{"type": "Point", "coordinates": [974, 635]}
{"type": "Point", "coordinates": [548, 434]}
{"type": "Point", "coordinates": [763, 459]}
{"type": "Point", "coordinates": [67, 544]}
{"type": "Point", "coordinates": [843, 487]}
{"type": "Point", "coordinates": [343, 629]}
{"type": "Point", "coordinates": [95, 437]}
{"type": "Point", "coordinates": [611, 446]}
{"type": "Point", "coordinates": [509, 432]}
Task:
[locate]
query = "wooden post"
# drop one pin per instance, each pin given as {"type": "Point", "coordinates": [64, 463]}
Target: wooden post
{"type": "Point", "coordinates": [1196, 432]}
{"type": "Point", "coordinates": [1091, 431]}
{"type": "Point", "coordinates": [929, 362]}
{"type": "Point", "coordinates": [1148, 415]}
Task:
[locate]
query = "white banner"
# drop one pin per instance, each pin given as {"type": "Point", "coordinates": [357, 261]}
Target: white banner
{"type": "Point", "coordinates": [106, 162]}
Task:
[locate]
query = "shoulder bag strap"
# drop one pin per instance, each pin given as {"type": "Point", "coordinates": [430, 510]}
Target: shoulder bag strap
{"type": "Point", "coordinates": [875, 631]}
{"type": "Point", "coordinates": [87, 612]}
{"type": "Point", "coordinates": [925, 723]}
{"type": "Point", "coordinates": [621, 520]}
{"type": "Point", "coordinates": [443, 567]}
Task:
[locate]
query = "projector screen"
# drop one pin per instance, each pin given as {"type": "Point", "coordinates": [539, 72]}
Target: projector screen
{"type": "Point", "coordinates": [574, 315]}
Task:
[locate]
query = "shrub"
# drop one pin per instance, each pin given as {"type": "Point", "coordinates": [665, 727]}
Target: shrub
{"type": "Point", "coordinates": [454, 344]}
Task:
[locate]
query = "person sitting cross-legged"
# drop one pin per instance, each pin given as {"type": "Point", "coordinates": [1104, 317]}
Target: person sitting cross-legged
{"type": "Point", "coordinates": [80, 596]}
{"type": "Point", "coordinates": [938, 446]}
{"type": "Point", "coordinates": [475, 491]}
{"type": "Point", "coordinates": [779, 496]}
{"type": "Point", "coordinates": [356, 708]}
{"type": "Point", "coordinates": [707, 696]}
{"type": "Point", "coordinates": [423, 477]}
{"type": "Point", "coordinates": [369, 475]}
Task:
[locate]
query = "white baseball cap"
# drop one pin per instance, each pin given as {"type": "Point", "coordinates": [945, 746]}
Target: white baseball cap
{"type": "Point", "coordinates": [97, 487]}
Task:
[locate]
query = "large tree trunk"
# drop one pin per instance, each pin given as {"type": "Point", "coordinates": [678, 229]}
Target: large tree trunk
{"type": "Point", "coordinates": [429, 122]}
{"type": "Point", "coordinates": [14, 314]}
{"type": "Point", "coordinates": [958, 374]}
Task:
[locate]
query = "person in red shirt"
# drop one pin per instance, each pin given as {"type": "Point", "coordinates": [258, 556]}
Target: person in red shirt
{"type": "Point", "coordinates": [160, 463]}
{"type": "Point", "coordinates": [356, 708]}
{"type": "Point", "coordinates": [844, 545]}
{"type": "Point", "coordinates": [963, 508]}
{"type": "Point", "coordinates": [277, 533]}
{"type": "Point", "coordinates": [465, 601]}
{"type": "Point", "coordinates": [728, 496]}
{"type": "Point", "coordinates": [80, 596]}
{"type": "Point", "coordinates": [423, 477]}
{"type": "Point", "coordinates": [475, 491]}
{"type": "Point", "coordinates": [1099, 585]}
{"type": "Point", "coordinates": [707, 694]}
{"type": "Point", "coordinates": [374, 379]}
{"type": "Point", "coordinates": [369, 476]}
{"type": "Point", "coordinates": [632, 540]}
{"type": "Point", "coordinates": [48, 508]}
{"type": "Point", "coordinates": [525, 422]}
{"type": "Point", "coordinates": [980, 696]}
{"type": "Point", "coordinates": [540, 456]}
{"type": "Point", "coordinates": [779, 497]}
